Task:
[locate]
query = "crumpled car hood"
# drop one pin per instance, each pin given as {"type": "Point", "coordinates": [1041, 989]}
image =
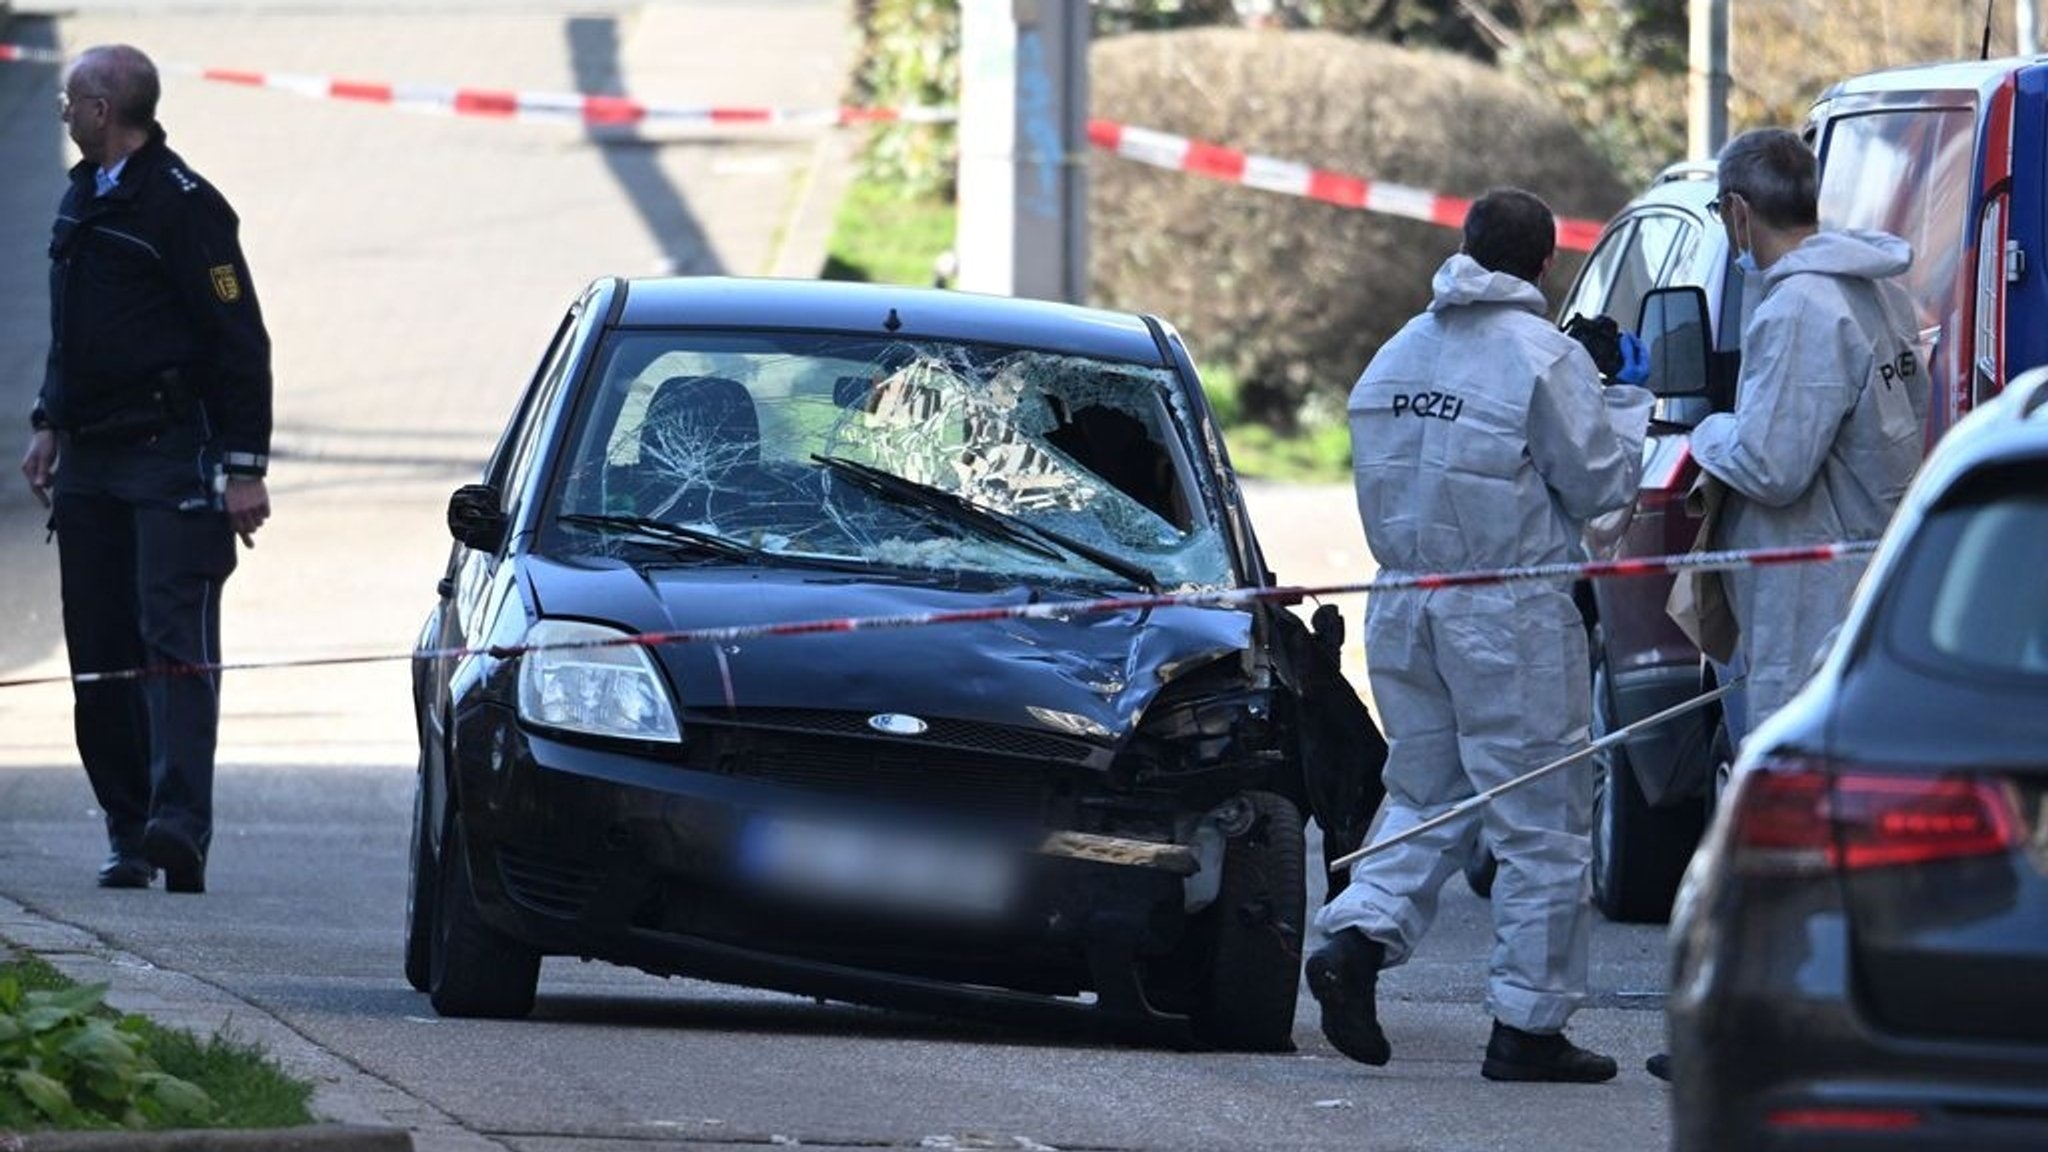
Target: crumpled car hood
{"type": "Point", "coordinates": [1102, 667]}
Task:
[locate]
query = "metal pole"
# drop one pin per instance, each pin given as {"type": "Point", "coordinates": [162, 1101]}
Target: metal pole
{"type": "Point", "coordinates": [1023, 215]}
{"type": "Point", "coordinates": [1707, 118]}
{"type": "Point", "coordinates": [1465, 806]}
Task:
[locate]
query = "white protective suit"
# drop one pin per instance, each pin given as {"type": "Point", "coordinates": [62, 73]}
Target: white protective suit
{"type": "Point", "coordinates": [1482, 438]}
{"type": "Point", "coordinates": [1829, 425]}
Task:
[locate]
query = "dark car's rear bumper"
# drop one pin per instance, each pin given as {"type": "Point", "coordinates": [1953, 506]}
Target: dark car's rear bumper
{"type": "Point", "coordinates": [1769, 1050]}
{"type": "Point", "coordinates": [596, 853]}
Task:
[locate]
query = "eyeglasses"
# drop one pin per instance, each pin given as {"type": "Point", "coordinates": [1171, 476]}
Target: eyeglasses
{"type": "Point", "coordinates": [1714, 205]}
{"type": "Point", "coordinates": [65, 103]}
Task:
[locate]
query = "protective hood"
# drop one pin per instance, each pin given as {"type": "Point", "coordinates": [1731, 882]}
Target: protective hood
{"type": "Point", "coordinates": [1462, 280]}
{"type": "Point", "coordinates": [1864, 254]}
{"type": "Point", "coordinates": [1092, 674]}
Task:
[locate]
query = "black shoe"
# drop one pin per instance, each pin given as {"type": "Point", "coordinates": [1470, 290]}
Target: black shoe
{"type": "Point", "coordinates": [1512, 1054]}
{"type": "Point", "coordinates": [125, 871]}
{"type": "Point", "coordinates": [177, 854]}
{"type": "Point", "coordinates": [1659, 1066]}
{"type": "Point", "coordinates": [1343, 976]}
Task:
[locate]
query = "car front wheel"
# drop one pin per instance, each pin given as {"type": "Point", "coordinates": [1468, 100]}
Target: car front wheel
{"type": "Point", "coordinates": [422, 882]}
{"type": "Point", "coordinates": [476, 970]}
{"type": "Point", "coordinates": [1246, 1000]}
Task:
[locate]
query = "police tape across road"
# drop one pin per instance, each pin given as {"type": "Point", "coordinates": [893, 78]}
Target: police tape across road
{"type": "Point", "coordinates": [1131, 142]}
{"type": "Point", "coordinates": [1047, 610]}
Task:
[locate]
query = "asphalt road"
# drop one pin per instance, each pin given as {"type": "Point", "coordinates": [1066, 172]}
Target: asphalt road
{"type": "Point", "coordinates": [412, 267]}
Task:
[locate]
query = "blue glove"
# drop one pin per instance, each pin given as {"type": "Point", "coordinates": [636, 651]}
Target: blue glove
{"type": "Point", "coordinates": [1635, 361]}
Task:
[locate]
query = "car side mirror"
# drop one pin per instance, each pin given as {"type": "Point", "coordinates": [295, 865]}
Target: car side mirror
{"type": "Point", "coordinates": [1678, 336]}
{"type": "Point", "coordinates": [474, 518]}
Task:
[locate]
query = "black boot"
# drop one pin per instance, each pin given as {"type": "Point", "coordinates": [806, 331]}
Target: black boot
{"type": "Point", "coordinates": [170, 848]}
{"type": "Point", "coordinates": [1343, 976]}
{"type": "Point", "coordinates": [126, 870]}
{"type": "Point", "coordinates": [1512, 1054]}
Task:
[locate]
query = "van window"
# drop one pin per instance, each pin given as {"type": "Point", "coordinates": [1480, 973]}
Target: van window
{"type": "Point", "coordinates": [1907, 172]}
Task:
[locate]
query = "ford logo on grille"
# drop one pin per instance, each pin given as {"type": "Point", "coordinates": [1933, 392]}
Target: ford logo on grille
{"type": "Point", "coordinates": [897, 724]}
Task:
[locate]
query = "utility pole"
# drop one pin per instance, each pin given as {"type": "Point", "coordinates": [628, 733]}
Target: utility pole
{"type": "Point", "coordinates": [1706, 127]}
{"type": "Point", "coordinates": [2024, 31]}
{"type": "Point", "coordinates": [1023, 217]}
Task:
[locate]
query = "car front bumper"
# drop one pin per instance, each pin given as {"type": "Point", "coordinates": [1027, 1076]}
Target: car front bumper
{"type": "Point", "coordinates": [591, 852]}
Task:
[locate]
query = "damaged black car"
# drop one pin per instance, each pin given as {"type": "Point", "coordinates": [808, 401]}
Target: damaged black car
{"type": "Point", "coordinates": [655, 732]}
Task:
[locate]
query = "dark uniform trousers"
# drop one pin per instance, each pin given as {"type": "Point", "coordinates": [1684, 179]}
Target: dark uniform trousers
{"type": "Point", "coordinates": [144, 549]}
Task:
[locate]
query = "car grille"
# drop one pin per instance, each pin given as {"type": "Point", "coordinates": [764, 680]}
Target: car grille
{"type": "Point", "coordinates": [549, 886]}
{"type": "Point", "coordinates": [966, 735]}
{"type": "Point", "coordinates": [962, 767]}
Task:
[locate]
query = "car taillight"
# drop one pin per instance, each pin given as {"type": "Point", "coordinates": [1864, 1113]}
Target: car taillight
{"type": "Point", "coordinates": [1799, 816]}
{"type": "Point", "coordinates": [1845, 1119]}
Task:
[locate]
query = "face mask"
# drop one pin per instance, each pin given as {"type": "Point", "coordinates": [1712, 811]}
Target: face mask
{"type": "Point", "coordinates": [1745, 255]}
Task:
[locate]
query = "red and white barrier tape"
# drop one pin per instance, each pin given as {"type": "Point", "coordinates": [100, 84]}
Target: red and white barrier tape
{"type": "Point", "coordinates": [496, 103]}
{"type": "Point", "coordinates": [1228, 597]}
{"type": "Point", "coordinates": [1144, 145]}
{"type": "Point", "coordinates": [1181, 154]}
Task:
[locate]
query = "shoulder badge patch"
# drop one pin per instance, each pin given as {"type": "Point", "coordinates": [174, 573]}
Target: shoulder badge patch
{"type": "Point", "coordinates": [226, 285]}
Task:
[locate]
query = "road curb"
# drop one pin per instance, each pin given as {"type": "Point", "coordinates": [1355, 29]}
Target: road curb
{"type": "Point", "coordinates": [313, 1138]}
{"type": "Point", "coordinates": [358, 1112]}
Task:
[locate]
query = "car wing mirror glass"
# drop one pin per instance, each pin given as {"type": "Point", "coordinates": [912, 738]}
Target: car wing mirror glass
{"type": "Point", "coordinates": [1678, 336]}
{"type": "Point", "coordinates": [475, 519]}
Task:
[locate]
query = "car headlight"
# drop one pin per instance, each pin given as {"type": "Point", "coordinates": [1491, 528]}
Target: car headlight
{"type": "Point", "coordinates": [613, 690]}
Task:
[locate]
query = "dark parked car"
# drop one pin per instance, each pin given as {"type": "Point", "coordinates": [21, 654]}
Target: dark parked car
{"type": "Point", "coordinates": [1858, 949]}
{"type": "Point", "coordinates": [1097, 814]}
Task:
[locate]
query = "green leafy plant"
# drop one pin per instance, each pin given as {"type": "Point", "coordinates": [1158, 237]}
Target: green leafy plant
{"type": "Point", "coordinates": [64, 1062]}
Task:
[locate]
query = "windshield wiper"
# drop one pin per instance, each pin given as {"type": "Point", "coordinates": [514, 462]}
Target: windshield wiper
{"type": "Point", "coordinates": [1000, 525]}
{"type": "Point", "coordinates": [954, 509]}
{"type": "Point", "coordinates": [662, 532]}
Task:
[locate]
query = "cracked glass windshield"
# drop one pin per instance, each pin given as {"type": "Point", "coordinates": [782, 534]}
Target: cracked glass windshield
{"type": "Point", "coordinates": [895, 453]}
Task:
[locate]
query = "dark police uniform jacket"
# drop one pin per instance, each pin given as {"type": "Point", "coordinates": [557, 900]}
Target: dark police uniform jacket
{"type": "Point", "coordinates": [153, 318]}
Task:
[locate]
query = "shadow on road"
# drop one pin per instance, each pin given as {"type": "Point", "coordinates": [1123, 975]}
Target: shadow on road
{"type": "Point", "coordinates": [594, 57]}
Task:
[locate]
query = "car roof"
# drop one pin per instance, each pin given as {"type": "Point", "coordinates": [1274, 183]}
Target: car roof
{"type": "Point", "coordinates": [1947, 76]}
{"type": "Point", "coordinates": [854, 307]}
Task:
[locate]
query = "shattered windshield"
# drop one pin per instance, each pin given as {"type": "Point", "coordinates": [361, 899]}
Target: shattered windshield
{"type": "Point", "coordinates": [898, 453]}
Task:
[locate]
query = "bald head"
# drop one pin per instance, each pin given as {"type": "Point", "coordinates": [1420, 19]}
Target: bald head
{"type": "Point", "coordinates": [124, 77]}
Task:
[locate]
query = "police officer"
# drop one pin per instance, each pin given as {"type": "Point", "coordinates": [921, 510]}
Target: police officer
{"type": "Point", "coordinates": [1482, 438]}
{"type": "Point", "coordinates": [151, 439]}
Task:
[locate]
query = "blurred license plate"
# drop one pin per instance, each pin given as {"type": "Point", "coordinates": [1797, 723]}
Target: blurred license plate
{"type": "Point", "coordinates": [875, 867]}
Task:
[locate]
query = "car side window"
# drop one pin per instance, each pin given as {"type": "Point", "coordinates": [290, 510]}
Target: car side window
{"type": "Point", "coordinates": [517, 476]}
{"type": "Point", "coordinates": [1588, 296]}
{"type": "Point", "coordinates": [1655, 251]}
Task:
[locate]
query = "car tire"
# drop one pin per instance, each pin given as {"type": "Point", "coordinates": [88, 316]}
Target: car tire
{"type": "Point", "coordinates": [1639, 852]}
{"type": "Point", "coordinates": [423, 882]}
{"type": "Point", "coordinates": [1246, 1002]}
{"type": "Point", "coordinates": [476, 970]}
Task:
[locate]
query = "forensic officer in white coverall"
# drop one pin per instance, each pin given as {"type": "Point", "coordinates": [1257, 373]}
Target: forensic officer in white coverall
{"type": "Point", "coordinates": [1830, 415]}
{"type": "Point", "coordinates": [1482, 438]}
